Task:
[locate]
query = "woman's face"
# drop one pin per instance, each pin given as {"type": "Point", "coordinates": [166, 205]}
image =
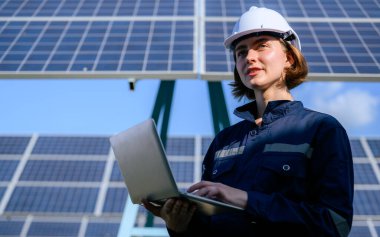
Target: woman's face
{"type": "Point", "coordinates": [260, 62]}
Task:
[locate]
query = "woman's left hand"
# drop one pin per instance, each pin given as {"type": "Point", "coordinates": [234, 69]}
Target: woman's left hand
{"type": "Point", "coordinates": [220, 192]}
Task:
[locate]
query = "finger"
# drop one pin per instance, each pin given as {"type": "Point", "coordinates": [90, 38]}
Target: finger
{"type": "Point", "coordinates": [153, 209]}
{"type": "Point", "coordinates": [177, 207]}
{"type": "Point", "coordinates": [198, 185]}
{"type": "Point", "coordinates": [168, 206]}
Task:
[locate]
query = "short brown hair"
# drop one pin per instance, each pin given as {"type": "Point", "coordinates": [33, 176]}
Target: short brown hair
{"type": "Point", "coordinates": [295, 75]}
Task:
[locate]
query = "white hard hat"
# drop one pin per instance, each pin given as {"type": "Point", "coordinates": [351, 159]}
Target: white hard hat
{"type": "Point", "coordinates": [262, 21]}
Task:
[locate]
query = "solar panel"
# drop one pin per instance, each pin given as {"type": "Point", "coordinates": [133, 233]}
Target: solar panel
{"type": "Point", "coordinates": [360, 231]}
{"type": "Point", "coordinates": [7, 168]}
{"type": "Point", "coordinates": [180, 147]}
{"type": "Point", "coordinates": [357, 149]}
{"type": "Point", "coordinates": [183, 171]}
{"type": "Point", "coordinates": [96, 46]}
{"type": "Point", "coordinates": [367, 202]}
{"type": "Point", "coordinates": [115, 200]}
{"type": "Point", "coordinates": [330, 48]}
{"type": "Point", "coordinates": [116, 175]}
{"type": "Point", "coordinates": [96, 8]}
{"type": "Point", "coordinates": [206, 141]}
{"type": "Point", "coordinates": [70, 183]}
{"type": "Point", "coordinates": [375, 147]}
{"type": "Point", "coordinates": [164, 39]}
{"type": "Point", "coordinates": [10, 228]}
{"type": "Point", "coordinates": [53, 229]}
{"type": "Point", "coordinates": [364, 174]}
{"type": "Point", "coordinates": [2, 191]}
{"type": "Point", "coordinates": [13, 145]}
{"type": "Point", "coordinates": [102, 229]}
{"type": "Point", "coordinates": [52, 199]}
{"type": "Point", "coordinates": [294, 8]}
{"type": "Point", "coordinates": [72, 145]}
{"type": "Point", "coordinates": [63, 170]}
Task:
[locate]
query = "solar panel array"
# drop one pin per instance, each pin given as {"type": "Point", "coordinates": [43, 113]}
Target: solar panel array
{"type": "Point", "coordinates": [176, 39]}
{"type": "Point", "coordinates": [72, 186]}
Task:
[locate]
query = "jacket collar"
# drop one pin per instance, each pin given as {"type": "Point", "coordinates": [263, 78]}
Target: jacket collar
{"type": "Point", "coordinates": [274, 110]}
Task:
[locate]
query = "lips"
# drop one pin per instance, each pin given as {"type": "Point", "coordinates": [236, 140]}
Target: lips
{"type": "Point", "coordinates": [253, 71]}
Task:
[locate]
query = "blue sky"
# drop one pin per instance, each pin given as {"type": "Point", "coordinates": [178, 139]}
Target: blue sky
{"type": "Point", "coordinates": [104, 107]}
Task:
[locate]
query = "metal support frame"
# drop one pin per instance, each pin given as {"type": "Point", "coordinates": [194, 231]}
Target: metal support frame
{"type": "Point", "coordinates": [218, 106]}
{"type": "Point", "coordinates": [161, 115]}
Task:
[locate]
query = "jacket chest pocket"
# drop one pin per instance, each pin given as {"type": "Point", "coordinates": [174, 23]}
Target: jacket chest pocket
{"type": "Point", "coordinates": [222, 169]}
{"type": "Point", "coordinates": [284, 173]}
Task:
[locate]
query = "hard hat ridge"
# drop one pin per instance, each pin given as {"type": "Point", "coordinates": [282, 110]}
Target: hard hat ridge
{"type": "Point", "coordinates": [262, 21]}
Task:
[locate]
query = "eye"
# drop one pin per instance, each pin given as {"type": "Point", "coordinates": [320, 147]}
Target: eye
{"type": "Point", "coordinates": [241, 53]}
{"type": "Point", "coordinates": [262, 45]}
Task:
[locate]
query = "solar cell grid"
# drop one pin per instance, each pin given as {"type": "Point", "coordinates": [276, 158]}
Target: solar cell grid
{"type": "Point", "coordinates": [367, 202]}
{"type": "Point", "coordinates": [360, 231]}
{"type": "Point", "coordinates": [52, 199]}
{"type": "Point", "coordinates": [180, 146]}
{"type": "Point", "coordinates": [102, 229]}
{"type": "Point", "coordinates": [183, 171]}
{"type": "Point", "coordinates": [13, 144]}
{"type": "Point", "coordinates": [7, 168]}
{"type": "Point", "coordinates": [206, 141]}
{"type": "Point", "coordinates": [60, 170]}
{"type": "Point", "coordinates": [294, 8]}
{"type": "Point", "coordinates": [2, 191]}
{"type": "Point", "coordinates": [84, 46]}
{"type": "Point", "coordinates": [333, 53]}
{"type": "Point", "coordinates": [10, 228]}
{"type": "Point", "coordinates": [115, 200]}
{"type": "Point", "coordinates": [357, 149]}
{"type": "Point", "coordinates": [116, 175]}
{"type": "Point", "coordinates": [97, 8]}
{"type": "Point", "coordinates": [72, 145]}
{"type": "Point", "coordinates": [364, 174]}
{"type": "Point", "coordinates": [53, 229]}
{"type": "Point", "coordinates": [374, 144]}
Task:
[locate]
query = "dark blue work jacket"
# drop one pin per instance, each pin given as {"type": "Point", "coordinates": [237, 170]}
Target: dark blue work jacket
{"type": "Point", "coordinates": [296, 168]}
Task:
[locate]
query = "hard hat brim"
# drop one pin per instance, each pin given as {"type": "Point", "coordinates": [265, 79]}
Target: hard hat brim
{"type": "Point", "coordinates": [229, 42]}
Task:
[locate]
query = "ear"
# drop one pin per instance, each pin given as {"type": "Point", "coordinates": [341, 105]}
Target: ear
{"type": "Point", "coordinates": [289, 59]}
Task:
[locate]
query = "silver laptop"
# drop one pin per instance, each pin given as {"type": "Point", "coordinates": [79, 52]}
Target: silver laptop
{"type": "Point", "coordinates": [146, 171]}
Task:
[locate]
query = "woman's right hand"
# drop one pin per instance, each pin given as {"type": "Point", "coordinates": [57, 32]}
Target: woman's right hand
{"type": "Point", "coordinates": [176, 213]}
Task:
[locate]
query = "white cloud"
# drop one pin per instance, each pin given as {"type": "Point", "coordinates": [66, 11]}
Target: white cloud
{"type": "Point", "coordinates": [353, 108]}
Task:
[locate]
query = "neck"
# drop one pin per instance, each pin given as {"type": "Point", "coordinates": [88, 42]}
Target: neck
{"type": "Point", "coordinates": [263, 98]}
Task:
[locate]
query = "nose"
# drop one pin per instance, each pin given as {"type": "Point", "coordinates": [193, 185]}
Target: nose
{"type": "Point", "coordinates": [251, 55]}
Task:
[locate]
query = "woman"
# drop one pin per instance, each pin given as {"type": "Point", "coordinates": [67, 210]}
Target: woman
{"type": "Point", "coordinates": [289, 167]}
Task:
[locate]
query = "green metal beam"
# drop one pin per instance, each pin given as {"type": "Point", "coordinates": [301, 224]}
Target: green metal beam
{"type": "Point", "coordinates": [218, 106]}
{"type": "Point", "coordinates": [161, 115]}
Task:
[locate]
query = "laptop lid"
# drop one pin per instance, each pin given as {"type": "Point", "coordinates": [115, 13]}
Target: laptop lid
{"type": "Point", "coordinates": [146, 171]}
{"type": "Point", "coordinates": [143, 163]}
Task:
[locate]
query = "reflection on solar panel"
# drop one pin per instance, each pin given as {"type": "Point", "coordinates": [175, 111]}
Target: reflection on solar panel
{"type": "Point", "coordinates": [58, 188]}
{"type": "Point", "coordinates": [175, 39]}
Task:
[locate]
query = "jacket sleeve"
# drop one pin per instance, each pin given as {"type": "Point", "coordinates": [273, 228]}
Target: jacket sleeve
{"type": "Point", "coordinates": [328, 209]}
